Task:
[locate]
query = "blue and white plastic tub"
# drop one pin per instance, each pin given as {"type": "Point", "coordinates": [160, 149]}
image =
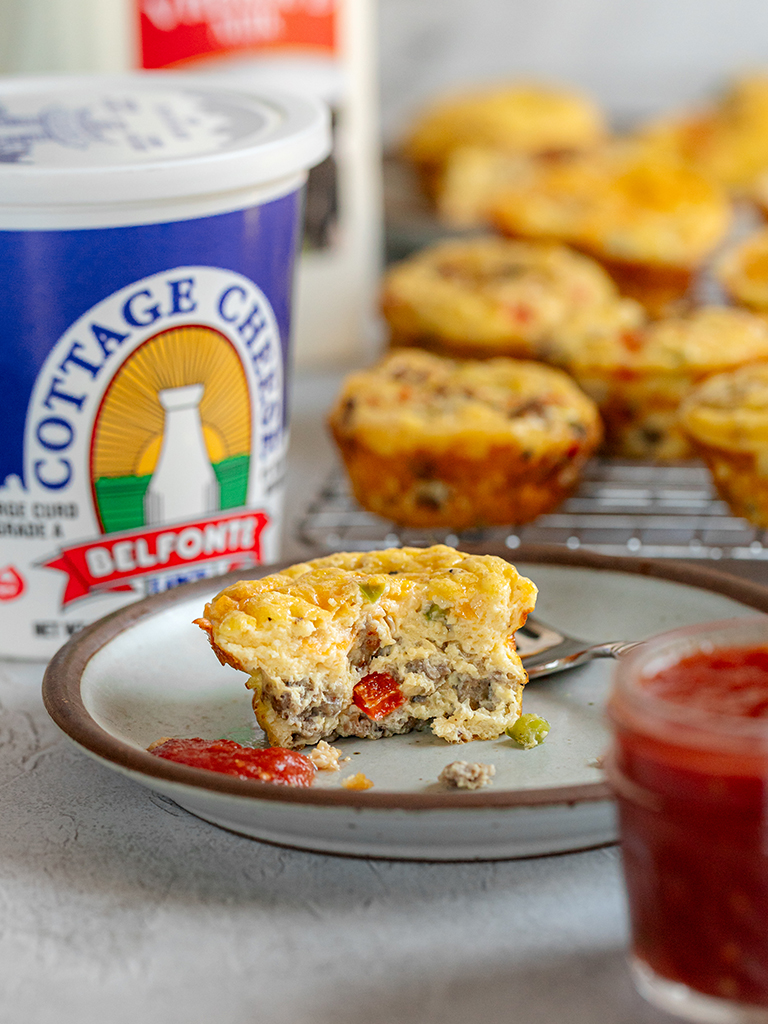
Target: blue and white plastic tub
{"type": "Point", "coordinates": [148, 232]}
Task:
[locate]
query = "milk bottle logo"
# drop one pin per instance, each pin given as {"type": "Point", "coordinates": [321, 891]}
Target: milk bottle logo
{"type": "Point", "coordinates": [184, 482]}
{"type": "Point", "coordinates": [158, 416]}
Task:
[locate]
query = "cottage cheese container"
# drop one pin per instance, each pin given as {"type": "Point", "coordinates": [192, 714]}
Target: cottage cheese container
{"type": "Point", "coordinates": [148, 228]}
{"type": "Point", "coordinates": [325, 48]}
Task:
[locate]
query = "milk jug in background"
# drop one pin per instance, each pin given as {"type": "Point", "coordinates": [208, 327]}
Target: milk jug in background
{"type": "Point", "coordinates": [325, 48]}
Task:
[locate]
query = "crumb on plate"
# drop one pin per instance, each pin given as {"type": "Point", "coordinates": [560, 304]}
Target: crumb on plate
{"type": "Point", "coordinates": [158, 743]}
{"type": "Point", "coordinates": [467, 775]}
{"type": "Point", "coordinates": [356, 781]}
{"type": "Point", "coordinates": [325, 757]}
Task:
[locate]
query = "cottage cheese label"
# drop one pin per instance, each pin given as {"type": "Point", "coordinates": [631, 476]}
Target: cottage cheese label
{"type": "Point", "coordinates": [148, 233]}
{"type": "Point", "coordinates": [153, 450]}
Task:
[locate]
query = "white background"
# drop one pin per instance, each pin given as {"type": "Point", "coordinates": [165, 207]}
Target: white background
{"type": "Point", "coordinates": [635, 56]}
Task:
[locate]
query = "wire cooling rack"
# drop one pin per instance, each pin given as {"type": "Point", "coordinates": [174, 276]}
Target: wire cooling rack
{"type": "Point", "coordinates": [620, 508]}
{"type": "Point", "coordinates": [655, 510]}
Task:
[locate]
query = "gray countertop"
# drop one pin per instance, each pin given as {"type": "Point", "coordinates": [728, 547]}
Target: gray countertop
{"type": "Point", "coordinates": [118, 906]}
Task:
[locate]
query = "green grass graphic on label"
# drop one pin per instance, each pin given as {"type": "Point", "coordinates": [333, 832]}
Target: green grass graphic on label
{"type": "Point", "coordinates": [121, 498]}
{"type": "Point", "coordinates": [232, 475]}
{"type": "Point", "coordinates": [121, 501]}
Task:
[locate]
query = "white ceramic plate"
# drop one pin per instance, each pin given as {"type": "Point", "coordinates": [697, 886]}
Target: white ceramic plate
{"type": "Point", "coordinates": [146, 672]}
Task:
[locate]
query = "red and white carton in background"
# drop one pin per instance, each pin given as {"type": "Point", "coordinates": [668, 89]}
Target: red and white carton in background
{"type": "Point", "coordinates": [324, 48]}
{"type": "Point", "coordinates": [176, 31]}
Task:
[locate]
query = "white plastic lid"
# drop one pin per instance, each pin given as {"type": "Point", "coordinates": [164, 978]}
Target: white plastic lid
{"type": "Point", "coordinates": [147, 136]}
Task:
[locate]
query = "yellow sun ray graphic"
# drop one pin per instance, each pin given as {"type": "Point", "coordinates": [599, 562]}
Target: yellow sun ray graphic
{"type": "Point", "coordinates": [128, 433]}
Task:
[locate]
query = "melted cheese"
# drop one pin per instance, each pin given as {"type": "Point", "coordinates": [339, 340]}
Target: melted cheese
{"type": "Point", "coordinates": [416, 400]}
{"type": "Point", "coordinates": [619, 203]}
{"type": "Point", "coordinates": [730, 410]}
{"type": "Point", "coordinates": [519, 118]}
{"type": "Point", "coordinates": [511, 295]}
{"type": "Point", "coordinates": [708, 340]}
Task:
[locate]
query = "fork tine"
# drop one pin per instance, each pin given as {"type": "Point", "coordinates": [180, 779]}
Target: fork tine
{"type": "Point", "coordinates": [535, 636]}
{"type": "Point", "coordinates": [531, 629]}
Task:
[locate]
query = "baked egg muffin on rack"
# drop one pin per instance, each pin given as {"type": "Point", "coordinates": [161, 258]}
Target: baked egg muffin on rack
{"type": "Point", "coordinates": [470, 181]}
{"type": "Point", "coordinates": [519, 118]}
{"type": "Point", "coordinates": [758, 194]}
{"type": "Point", "coordinates": [373, 644]}
{"type": "Point", "coordinates": [742, 270]}
{"type": "Point", "coordinates": [489, 296]}
{"type": "Point", "coordinates": [439, 443]}
{"type": "Point", "coordinates": [639, 377]}
{"type": "Point", "coordinates": [726, 418]}
{"type": "Point", "coordinates": [725, 139]}
{"type": "Point", "coordinates": [651, 221]}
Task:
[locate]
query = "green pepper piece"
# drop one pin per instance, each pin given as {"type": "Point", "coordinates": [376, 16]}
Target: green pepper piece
{"type": "Point", "coordinates": [435, 613]}
{"type": "Point", "coordinates": [371, 591]}
{"type": "Point", "coordinates": [529, 730]}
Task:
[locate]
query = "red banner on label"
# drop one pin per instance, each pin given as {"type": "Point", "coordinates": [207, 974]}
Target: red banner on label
{"type": "Point", "coordinates": [179, 31]}
{"type": "Point", "coordinates": [11, 584]}
{"type": "Point", "coordinates": [112, 561]}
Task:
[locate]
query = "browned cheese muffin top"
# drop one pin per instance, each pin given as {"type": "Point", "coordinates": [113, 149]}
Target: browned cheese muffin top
{"type": "Point", "coordinates": [493, 296]}
{"type": "Point", "coordinates": [466, 407]}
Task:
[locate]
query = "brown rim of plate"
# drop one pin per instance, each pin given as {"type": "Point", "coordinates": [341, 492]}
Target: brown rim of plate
{"type": "Point", "coordinates": [63, 700]}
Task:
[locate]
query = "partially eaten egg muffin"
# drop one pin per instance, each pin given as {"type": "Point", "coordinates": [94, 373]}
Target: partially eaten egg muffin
{"type": "Point", "coordinates": [373, 644]}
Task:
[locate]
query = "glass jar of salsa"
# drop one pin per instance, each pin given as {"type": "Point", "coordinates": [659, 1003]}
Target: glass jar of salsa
{"type": "Point", "coordinates": [689, 767]}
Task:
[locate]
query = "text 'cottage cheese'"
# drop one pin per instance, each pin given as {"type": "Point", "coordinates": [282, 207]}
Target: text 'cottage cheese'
{"type": "Point", "coordinates": [148, 228]}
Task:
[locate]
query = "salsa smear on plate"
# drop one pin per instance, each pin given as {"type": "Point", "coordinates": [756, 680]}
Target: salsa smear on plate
{"type": "Point", "coordinates": [690, 769]}
{"type": "Point", "coordinates": [270, 764]}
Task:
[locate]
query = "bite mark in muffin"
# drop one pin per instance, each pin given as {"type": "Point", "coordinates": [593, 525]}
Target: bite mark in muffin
{"type": "Point", "coordinates": [379, 643]}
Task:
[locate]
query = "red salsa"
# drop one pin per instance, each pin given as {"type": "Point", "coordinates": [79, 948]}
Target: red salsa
{"type": "Point", "coordinates": [694, 825]}
{"type": "Point", "coordinates": [270, 764]}
{"type": "Point", "coordinates": [730, 681]}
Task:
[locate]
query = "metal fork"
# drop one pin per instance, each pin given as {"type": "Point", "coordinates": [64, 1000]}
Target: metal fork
{"type": "Point", "coordinates": [545, 650]}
